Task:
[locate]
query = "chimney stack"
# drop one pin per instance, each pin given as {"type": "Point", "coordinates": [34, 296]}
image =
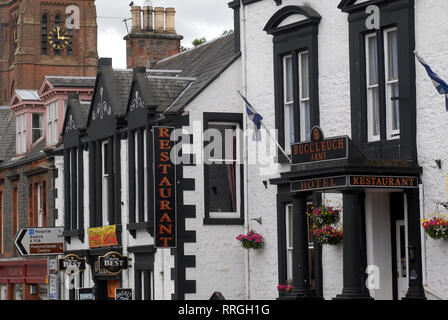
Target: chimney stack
{"type": "Point", "coordinates": [157, 39]}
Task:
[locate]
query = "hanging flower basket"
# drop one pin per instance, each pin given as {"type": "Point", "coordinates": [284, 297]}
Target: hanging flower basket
{"type": "Point", "coordinates": [284, 289]}
{"type": "Point", "coordinates": [436, 227]}
{"type": "Point", "coordinates": [328, 235]}
{"type": "Point", "coordinates": [324, 215]}
{"type": "Point", "coordinates": [251, 240]}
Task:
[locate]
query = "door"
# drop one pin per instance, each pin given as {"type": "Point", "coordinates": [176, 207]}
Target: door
{"type": "Point", "coordinates": [401, 261]}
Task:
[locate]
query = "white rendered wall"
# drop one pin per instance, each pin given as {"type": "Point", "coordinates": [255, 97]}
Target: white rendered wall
{"type": "Point", "coordinates": [432, 131]}
{"type": "Point", "coordinates": [334, 100]}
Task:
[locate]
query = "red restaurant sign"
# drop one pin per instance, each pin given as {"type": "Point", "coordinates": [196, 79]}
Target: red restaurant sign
{"type": "Point", "coordinates": [164, 189]}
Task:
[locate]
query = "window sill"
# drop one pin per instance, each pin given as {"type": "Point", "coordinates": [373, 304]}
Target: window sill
{"type": "Point", "coordinates": [223, 221]}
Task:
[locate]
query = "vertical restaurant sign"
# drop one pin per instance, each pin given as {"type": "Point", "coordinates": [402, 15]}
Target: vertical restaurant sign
{"type": "Point", "coordinates": [164, 188]}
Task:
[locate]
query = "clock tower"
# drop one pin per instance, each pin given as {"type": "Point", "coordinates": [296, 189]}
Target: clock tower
{"type": "Point", "coordinates": [42, 37]}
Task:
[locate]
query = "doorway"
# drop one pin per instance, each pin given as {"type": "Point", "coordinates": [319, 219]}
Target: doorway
{"type": "Point", "coordinates": [399, 245]}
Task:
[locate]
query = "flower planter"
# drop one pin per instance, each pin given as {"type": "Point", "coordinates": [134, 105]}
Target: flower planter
{"type": "Point", "coordinates": [251, 240]}
{"type": "Point", "coordinates": [436, 227]}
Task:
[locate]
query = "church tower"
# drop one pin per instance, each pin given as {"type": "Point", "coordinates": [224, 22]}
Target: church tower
{"type": "Point", "coordinates": [39, 38]}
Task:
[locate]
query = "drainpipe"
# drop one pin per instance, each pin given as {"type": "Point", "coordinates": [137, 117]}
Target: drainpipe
{"type": "Point", "coordinates": [422, 234]}
{"type": "Point", "coordinates": [246, 152]}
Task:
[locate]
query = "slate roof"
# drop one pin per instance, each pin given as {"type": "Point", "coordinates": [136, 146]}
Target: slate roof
{"type": "Point", "coordinates": [27, 95]}
{"type": "Point", "coordinates": [77, 82]}
{"type": "Point", "coordinates": [165, 90]}
{"type": "Point", "coordinates": [205, 62]}
{"type": "Point", "coordinates": [37, 152]}
{"type": "Point", "coordinates": [7, 134]}
{"type": "Point", "coordinates": [123, 80]}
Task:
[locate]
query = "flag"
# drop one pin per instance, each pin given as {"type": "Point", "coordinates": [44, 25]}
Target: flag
{"type": "Point", "coordinates": [441, 86]}
{"type": "Point", "coordinates": [255, 117]}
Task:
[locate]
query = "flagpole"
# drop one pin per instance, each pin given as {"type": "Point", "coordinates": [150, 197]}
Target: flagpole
{"type": "Point", "coordinates": [269, 132]}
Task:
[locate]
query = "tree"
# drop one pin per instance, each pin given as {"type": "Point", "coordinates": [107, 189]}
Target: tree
{"type": "Point", "coordinates": [198, 42]}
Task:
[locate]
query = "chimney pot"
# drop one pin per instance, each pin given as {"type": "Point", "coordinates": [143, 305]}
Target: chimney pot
{"type": "Point", "coordinates": [170, 20]}
{"type": "Point", "coordinates": [136, 19]}
{"type": "Point", "coordinates": [159, 17]}
{"type": "Point", "coordinates": [147, 18]}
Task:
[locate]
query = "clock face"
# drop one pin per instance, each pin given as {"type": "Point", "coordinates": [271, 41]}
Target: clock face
{"type": "Point", "coordinates": [59, 38]}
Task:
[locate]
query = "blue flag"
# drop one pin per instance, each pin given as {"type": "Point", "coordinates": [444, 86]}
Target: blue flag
{"type": "Point", "coordinates": [255, 117]}
{"type": "Point", "coordinates": [441, 86]}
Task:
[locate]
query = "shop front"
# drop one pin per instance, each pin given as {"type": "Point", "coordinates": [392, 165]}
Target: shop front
{"type": "Point", "coordinates": [381, 218]}
{"type": "Point", "coordinates": [24, 280]}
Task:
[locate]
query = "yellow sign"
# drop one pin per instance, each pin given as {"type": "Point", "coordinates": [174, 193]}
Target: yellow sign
{"type": "Point", "coordinates": [102, 236]}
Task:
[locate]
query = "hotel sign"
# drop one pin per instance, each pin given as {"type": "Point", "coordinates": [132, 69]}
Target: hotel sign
{"type": "Point", "coordinates": [354, 181]}
{"type": "Point", "coordinates": [319, 149]}
{"type": "Point", "coordinates": [164, 189]}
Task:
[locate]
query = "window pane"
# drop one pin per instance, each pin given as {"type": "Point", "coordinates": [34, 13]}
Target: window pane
{"type": "Point", "coordinates": [305, 120]}
{"type": "Point", "coordinates": [392, 54]}
{"type": "Point", "coordinates": [375, 105]}
{"type": "Point", "coordinates": [372, 60]}
{"type": "Point", "coordinates": [289, 126]}
{"type": "Point", "coordinates": [289, 95]}
{"type": "Point", "coordinates": [106, 159]}
{"type": "Point", "coordinates": [222, 188]}
{"type": "Point", "coordinates": [304, 77]}
{"type": "Point", "coordinates": [395, 107]}
{"type": "Point", "coordinates": [37, 126]}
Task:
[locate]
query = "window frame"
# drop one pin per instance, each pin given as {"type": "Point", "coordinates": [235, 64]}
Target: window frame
{"type": "Point", "coordinates": [391, 133]}
{"type": "Point", "coordinates": [42, 129]}
{"type": "Point", "coordinates": [400, 15]}
{"type": "Point", "coordinates": [21, 132]}
{"type": "Point", "coordinates": [295, 39]}
{"type": "Point", "coordinates": [237, 218]}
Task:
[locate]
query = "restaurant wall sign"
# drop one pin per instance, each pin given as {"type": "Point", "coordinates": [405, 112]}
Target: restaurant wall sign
{"type": "Point", "coordinates": [355, 181]}
{"type": "Point", "coordinates": [164, 189]}
{"type": "Point", "coordinates": [113, 262]}
{"type": "Point", "coordinates": [319, 149]}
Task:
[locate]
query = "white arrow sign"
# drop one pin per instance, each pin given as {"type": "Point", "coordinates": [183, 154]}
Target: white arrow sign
{"type": "Point", "coordinates": [39, 241]}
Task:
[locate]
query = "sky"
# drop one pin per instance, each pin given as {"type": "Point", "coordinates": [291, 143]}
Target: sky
{"type": "Point", "coordinates": [194, 19]}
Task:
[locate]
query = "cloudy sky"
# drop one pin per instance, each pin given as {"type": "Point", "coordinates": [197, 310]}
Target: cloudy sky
{"type": "Point", "coordinates": [194, 19]}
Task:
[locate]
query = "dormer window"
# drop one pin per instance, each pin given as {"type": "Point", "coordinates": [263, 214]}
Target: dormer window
{"type": "Point", "coordinates": [37, 129]}
{"type": "Point", "coordinates": [21, 134]}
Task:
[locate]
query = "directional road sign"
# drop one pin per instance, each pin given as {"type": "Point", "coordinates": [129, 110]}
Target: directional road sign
{"type": "Point", "coordinates": [39, 241]}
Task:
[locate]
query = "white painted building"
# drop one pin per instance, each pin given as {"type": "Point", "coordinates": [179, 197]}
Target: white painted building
{"type": "Point", "coordinates": [301, 64]}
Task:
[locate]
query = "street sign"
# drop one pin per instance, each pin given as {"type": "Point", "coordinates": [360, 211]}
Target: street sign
{"type": "Point", "coordinates": [39, 241]}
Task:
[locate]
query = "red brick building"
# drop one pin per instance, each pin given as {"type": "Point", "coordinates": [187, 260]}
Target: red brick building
{"type": "Point", "coordinates": [25, 53]}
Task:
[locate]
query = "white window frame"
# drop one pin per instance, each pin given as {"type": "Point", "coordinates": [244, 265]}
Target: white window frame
{"type": "Point", "coordinates": [304, 98]}
{"type": "Point", "coordinates": [105, 184]}
{"type": "Point", "coordinates": [237, 161]}
{"type": "Point", "coordinates": [41, 129]}
{"type": "Point", "coordinates": [52, 123]}
{"type": "Point", "coordinates": [145, 178]}
{"type": "Point", "coordinates": [370, 96]}
{"type": "Point", "coordinates": [289, 240]}
{"type": "Point", "coordinates": [288, 105]}
{"type": "Point", "coordinates": [40, 216]}
{"type": "Point", "coordinates": [21, 134]}
{"type": "Point", "coordinates": [391, 133]}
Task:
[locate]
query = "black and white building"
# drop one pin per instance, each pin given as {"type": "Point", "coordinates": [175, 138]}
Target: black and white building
{"type": "Point", "coordinates": [314, 70]}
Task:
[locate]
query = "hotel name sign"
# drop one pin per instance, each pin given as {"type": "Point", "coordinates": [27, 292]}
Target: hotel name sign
{"type": "Point", "coordinates": [354, 181]}
{"type": "Point", "coordinates": [319, 149]}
